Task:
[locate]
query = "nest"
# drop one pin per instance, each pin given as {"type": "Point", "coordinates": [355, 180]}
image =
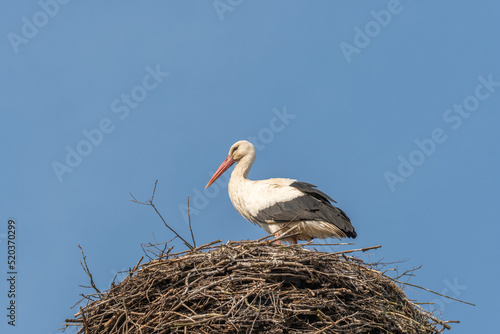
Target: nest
{"type": "Point", "coordinates": [254, 287]}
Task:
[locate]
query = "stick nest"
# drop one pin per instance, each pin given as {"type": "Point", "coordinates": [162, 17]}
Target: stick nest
{"type": "Point", "coordinates": [244, 287]}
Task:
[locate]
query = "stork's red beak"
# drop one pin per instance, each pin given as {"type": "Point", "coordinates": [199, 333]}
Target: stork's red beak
{"type": "Point", "coordinates": [223, 167]}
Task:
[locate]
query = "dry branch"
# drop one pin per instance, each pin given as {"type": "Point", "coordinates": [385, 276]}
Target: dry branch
{"type": "Point", "coordinates": [189, 221]}
{"type": "Point", "coordinates": [87, 271]}
{"type": "Point", "coordinates": [150, 203]}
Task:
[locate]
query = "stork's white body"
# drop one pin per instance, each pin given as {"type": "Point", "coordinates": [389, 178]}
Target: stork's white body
{"type": "Point", "coordinates": [281, 204]}
{"type": "Point", "coordinates": [250, 198]}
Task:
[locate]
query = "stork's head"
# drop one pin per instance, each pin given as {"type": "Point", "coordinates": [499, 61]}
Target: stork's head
{"type": "Point", "coordinates": [239, 151]}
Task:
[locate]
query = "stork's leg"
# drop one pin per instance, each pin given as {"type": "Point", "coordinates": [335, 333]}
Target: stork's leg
{"type": "Point", "coordinates": [294, 240]}
{"type": "Point", "coordinates": [277, 235]}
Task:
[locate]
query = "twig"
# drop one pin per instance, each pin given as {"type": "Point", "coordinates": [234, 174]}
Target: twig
{"type": "Point", "coordinates": [408, 272]}
{"type": "Point", "coordinates": [334, 244]}
{"type": "Point", "coordinates": [358, 250]}
{"type": "Point", "coordinates": [194, 250]}
{"type": "Point", "coordinates": [87, 271]}
{"type": "Point", "coordinates": [150, 203]}
{"type": "Point", "coordinates": [137, 265]}
{"type": "Point", "coordinates": [171, 229]}
{"type": "Point", "coordinates": [154, 192]}
{"type": "Point", "coordinates": [85, 324]}
{"type": "Point", "coordinates": [189, 220]}
{"type": "Point", "coordinates": [428, 290]}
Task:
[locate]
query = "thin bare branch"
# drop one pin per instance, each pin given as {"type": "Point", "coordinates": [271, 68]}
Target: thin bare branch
{"type": "Point", "coordinates": [85, 323]}
{"type": "Point", "coordinates": [171, 229]}
{"type": "Point", "coordinates": [150, 203]}
{"type": "Point", "coordinates": [431, 291]}
{"type": "Point", "coordinates": [189, 220]}
{"type": "Point", "coordinates": [358, 250]}
{"type": "Point", "coordinates": [154, 192]}
{"type": "Point", "coordinates": [87, 271]}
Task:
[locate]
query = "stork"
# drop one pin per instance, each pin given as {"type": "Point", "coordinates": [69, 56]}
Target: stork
{"type": "Point", "coordinates": [278, 205]}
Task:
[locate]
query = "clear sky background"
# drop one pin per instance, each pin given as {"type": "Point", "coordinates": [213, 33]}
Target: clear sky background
{"type": "Point", "coordinates": [392, 108]}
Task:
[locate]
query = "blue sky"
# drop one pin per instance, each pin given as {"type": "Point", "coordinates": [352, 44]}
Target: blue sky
{"type": "Point", "coordinates": [391, 107]}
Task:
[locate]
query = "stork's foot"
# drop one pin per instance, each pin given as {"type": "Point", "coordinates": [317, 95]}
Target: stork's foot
{"type": "Point", "coordinates": [278, 242]}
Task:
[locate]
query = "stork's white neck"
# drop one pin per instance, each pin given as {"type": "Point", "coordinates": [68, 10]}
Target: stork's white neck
{"type": "Point", "coordinates": [243, 167]}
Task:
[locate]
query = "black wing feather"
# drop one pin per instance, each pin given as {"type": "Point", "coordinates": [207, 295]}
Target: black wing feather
{"type": "Point", "coordinates": [314, 205]}
{"type": "Point", "coordinates": [311, 190]}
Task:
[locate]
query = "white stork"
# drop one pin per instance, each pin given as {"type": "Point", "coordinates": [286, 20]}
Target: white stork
{"type": "Point", "coordinates": [277, 205]}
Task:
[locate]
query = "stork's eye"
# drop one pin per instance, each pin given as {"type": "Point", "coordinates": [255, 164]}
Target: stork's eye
{"type": "Point", "coordinates": [234, 149]}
